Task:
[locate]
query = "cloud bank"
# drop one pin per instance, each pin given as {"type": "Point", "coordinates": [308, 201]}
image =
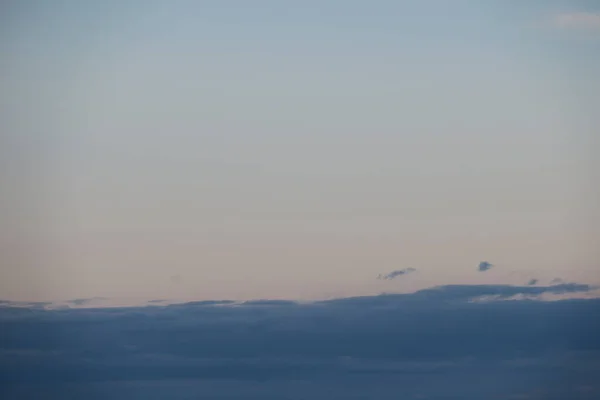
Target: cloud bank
{"type": "Point", "coordinates": [436, 343]}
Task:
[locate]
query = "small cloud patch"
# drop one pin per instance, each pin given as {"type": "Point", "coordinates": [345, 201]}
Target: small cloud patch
{"type": "Point", "coordinates": [484, 266]}
{"type": "Point", "coordinates": [395, 274]}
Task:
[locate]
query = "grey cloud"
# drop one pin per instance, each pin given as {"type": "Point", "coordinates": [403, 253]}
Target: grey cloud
{"type": "Point", "coordinates": [396, 273]}
{"type": "Point", "coordinates": [556, 280]}
{"type": "Point", "coordinates": [532, 282]}
{"type": "Point", "coordinates": [270, 303]}
{"type": "Point", "coordinates": [459, 294]}
{"type": "Point", "coordinates": [24, 304]}
{"type": "Point", "coordinates": [484, 266]}
{"type": "Point", "coordinates": [85, 301]}
{"type": "Point", "coordinates": [79, 302]}
{"type": "Point", "coordinates": [434, 343]}
{"type": "Point", "coordinates": [203, 303]}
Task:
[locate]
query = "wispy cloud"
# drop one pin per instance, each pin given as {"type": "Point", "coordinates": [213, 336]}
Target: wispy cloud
{"type": "Point", "coordinates": [577, 20]}
{"type": "Point", "coordinates": [276, 303]}
{"type": "Point", "coordinates": [24, 304]}
{"type": "Point", "coordinates": [87, 301]}
{"type": "Point", "coordinates": [463, 293]}
{"type": "Point", "coordinates": [396, 273]}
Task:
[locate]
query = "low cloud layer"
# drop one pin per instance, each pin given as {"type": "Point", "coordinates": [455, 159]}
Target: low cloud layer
{"type": "Point", "coordinates": [396, 273]}
{"type": "Point", "coordinates": [433, 344]}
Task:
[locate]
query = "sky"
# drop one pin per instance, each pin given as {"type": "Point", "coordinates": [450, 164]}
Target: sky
{"type": "Point", "coordinates": [250, 150]}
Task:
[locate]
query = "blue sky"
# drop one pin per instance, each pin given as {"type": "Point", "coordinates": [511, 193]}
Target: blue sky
{"type": "Point", "coordinates": [229, 149]}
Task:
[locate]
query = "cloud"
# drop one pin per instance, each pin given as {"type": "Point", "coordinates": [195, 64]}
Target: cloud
{"type": "Point", "coordinates": [24, 304]}
{"type": "Point", "coordinates": [532, 282]}
{"type": "Point", "coordinates": [79, 302]}
{"type": "Point", "coordinates": [269, 303]}
{"type": "Point", "coordinates": [578, 20]}
{"type": "Point", "coordinates": [484, 266]}
{"type": "Point", "coordinates": [434, 343]}
{"type": "Point", "coordinates": [203, 303]}
{"type": "Point", "coordinates": [86, 301]}
{"type": "Point", "coordinates": [396, 273]}
{"type": "Point", "coordinates": [468, 292]}
{"type": "Point", "coordinates": [556, 280]}
{"type": "Point", "coordinates": [459, 294]}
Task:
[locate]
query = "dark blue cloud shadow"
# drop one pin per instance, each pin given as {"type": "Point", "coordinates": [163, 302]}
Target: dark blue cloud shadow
{"type": "Point", "coordinates": [434, 335]}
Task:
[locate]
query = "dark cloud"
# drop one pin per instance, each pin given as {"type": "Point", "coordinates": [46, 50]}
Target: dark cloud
{"type": "Point", "coordinates": [532, 282]}
{"type": "Point", "coordinates": [435, 344]}
{"type": "Point", "coordinates": [484, 266]}
{"type": "Point", "coordinates": [396, 273]}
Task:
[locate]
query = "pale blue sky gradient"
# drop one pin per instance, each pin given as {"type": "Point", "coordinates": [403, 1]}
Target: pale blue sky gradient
{"type": "Point", "coordinates": [236, 149]}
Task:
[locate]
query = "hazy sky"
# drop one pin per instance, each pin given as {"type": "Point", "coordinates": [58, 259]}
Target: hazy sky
{"type": "Point", "coordinates": [268, 149]}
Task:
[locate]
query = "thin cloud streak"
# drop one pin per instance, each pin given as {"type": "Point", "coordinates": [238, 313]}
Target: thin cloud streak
{"type": "Point", "coordinates": [396, 273]}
